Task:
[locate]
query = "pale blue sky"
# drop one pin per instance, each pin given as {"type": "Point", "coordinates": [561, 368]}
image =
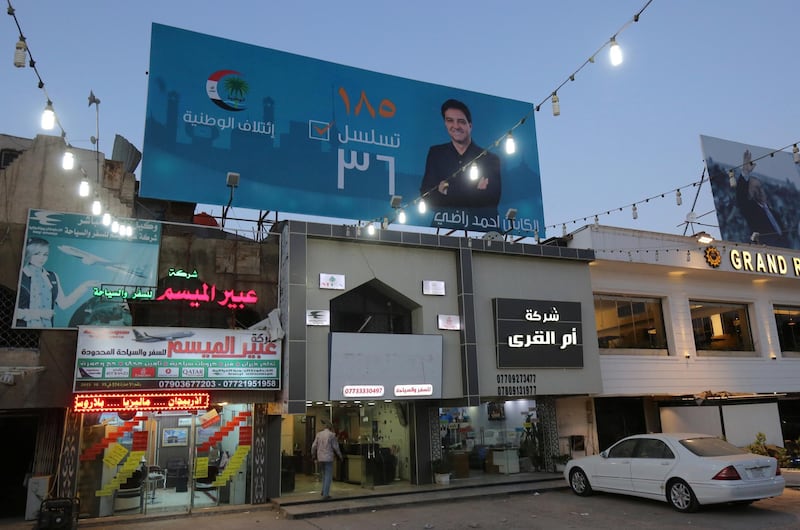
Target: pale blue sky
{"type": "Point", "coordinates": [724, 68]}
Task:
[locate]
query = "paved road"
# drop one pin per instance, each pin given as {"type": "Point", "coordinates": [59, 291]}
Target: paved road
{"type": "Point", "coordinates": [551, 510]}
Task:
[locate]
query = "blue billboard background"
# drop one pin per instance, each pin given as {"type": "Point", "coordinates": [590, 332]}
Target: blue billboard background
{"type": "Point", "coordinates": [313, 137]}
{"type": "Point", "coordinates": [91, 271]}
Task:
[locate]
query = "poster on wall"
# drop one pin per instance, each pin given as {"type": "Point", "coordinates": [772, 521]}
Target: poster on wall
{"type": "Point", "coordinates": [538, 333]}
{"type": "Point", "coordinates": [75, 271]}
{"type": "Point", "coordinates": [757, 203]}
{"type": "Point", "coordinates": [313, 137]}
{"type": "Point", "coordinates": [160, 358]}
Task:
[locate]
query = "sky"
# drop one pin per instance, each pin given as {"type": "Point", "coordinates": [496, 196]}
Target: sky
{"type": "Point", "coordinates": [722, 68]}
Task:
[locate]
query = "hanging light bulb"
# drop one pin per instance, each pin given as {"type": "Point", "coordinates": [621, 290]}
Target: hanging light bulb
{"type": "Point", "coordinates": [97, 208]}
{"type": "Point", "coordinates": [556, 105]}
{"type": "Point", "coordinates": [596, 221]}
{"type": "Point", "coordinates": [20, 53]}
{"type": "Point", "coordinates": [115, 226]}
{"type": "Point", "coordinates": [688, 255]}
{"type": "Point", "coordinates": [106, 219]}
{"type": "Point", "coordinates": [48, 117]}
{"type": "Point", "coordinates": [796, 154]}
{"type": "Point", "coordinates": [401, 216]}
{"type": "Point", "coordinates": [83, 189]}
{"type": "Point", "coordinates": [564, 230]}
{"type": "Point", "coordinates": [473, 171]}
{"type": "Point", "coordinates": [68, 162]}
{"type": "Point", "coordinates": [371, 229]}
{"type": "Point", "coordinates": [678, 198]}
{"type": "Point", "coordinates": [731, 178]}
{"type": "Point", "coordinates": [129, 231]}
{"type": "Point", "coordinates": [615, 53]}
{"type": "Point", "coordinates": [422, 207]}
{"type": "Point", "coordinates": [635, 212]}
{"type": "Point", "coordinates": [511, 146]}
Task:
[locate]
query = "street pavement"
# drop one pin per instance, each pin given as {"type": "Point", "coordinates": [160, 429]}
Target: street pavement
{"type": "Point", "coordinates": [545, 503]}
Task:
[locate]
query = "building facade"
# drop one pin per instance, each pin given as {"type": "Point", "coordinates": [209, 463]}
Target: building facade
{"type": "Point", "coordinates": [425, 352]}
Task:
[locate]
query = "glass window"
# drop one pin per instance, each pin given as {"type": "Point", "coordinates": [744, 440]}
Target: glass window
{"type": "Point", "coordinates": [623, 449]}
{"type": "Point", "coordinates": [629, 322]}
{"type": "Point", "coordinates": [786, 320]}
{"type": "Point", "coordinates": [720, 327]}
{"type": "Point", "coordinates": [711, 447]}
{"type": "Point", "coordinates": [651, 448]}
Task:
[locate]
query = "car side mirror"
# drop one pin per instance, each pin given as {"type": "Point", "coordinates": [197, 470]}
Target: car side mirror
{"type": "Point", "coordinates": [604, 454]}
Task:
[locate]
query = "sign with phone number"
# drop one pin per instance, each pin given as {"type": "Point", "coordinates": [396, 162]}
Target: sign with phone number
{"type": "Point", "coordinates": [516, 384]}
{"type": "Point", "coordinates": [151, 358]}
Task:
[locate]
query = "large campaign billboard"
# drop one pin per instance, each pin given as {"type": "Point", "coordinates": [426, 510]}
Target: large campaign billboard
{"type": "Point", "coordinates": [756, 192]}
{"type": "Point", "coordinates": [76, 271]}
{"type": "Point", "coordinates": [313, 137]}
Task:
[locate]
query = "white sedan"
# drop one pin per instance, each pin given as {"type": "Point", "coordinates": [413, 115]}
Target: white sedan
{"type": "Point", "coordinates": [686, 470]}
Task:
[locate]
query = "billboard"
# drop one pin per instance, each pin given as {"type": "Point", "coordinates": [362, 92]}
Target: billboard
{"type": "Point", "coordinates": [76, 271]}
{"type": "Point", "coordinates": [160, 358]}
{"type": "Point", "coordinates": [385, 366]}
{"type": "Point", "coordinates": [312, 137]}
{"type": "Point", "coordinates": [758, 203]}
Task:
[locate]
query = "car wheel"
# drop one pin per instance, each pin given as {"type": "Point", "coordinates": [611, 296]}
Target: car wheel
{"type": "Point", "coordinates": [681, 496]}
{"type": "Point", "coordinates": [579, 483]}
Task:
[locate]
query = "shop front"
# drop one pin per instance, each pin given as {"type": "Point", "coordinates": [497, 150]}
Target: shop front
{"type": "Point", "coordinates": [161, 452]}
{"type": "Point", "coordinates": [170, 420]}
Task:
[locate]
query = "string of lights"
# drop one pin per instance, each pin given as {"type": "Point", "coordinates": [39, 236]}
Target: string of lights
{"type": "Point", "coordinates": [615, 56]}
{"type": "Point", "coordinates": [23, 56]}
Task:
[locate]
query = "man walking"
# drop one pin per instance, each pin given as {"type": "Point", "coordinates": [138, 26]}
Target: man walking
{"type": "Point", "coordinates": [323, 450]}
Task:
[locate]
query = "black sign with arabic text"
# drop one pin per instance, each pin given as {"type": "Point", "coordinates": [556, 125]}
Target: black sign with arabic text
{"type": "Point", "coordinates": [538, 333]}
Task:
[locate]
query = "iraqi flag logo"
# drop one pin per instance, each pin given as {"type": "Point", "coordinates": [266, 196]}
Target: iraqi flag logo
{"type": "Point", "coordinates": [227, 89]}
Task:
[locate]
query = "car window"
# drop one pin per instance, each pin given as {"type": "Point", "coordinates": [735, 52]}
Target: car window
{"type": "Point", "coordinates": [623, 449]}
{"type": "Point", "coordinates": [652, 448]}
{"type": "Point", "coordinates": [711, 447]}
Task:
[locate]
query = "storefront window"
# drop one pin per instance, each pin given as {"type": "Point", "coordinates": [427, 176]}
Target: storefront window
{"type": "Point", "coordinates": [786, 320]}
{"type": "Point", "coordinates": [629, 322]}
{"type": "Point", "coordinates": [373, 437]}
{"type": "Point", "coordinates": [721, 327]}
{"type": "Point", "coordinates": [167, 462]}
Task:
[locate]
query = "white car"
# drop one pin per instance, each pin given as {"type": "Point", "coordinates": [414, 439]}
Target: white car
{"type": "Point", "coordinates": [686, 470]}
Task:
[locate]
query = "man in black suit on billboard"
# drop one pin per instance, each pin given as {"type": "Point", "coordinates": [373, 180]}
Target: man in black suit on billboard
{"type": "Point", "coordinates": [765, 223]}
{"type": "Point", "coordinates": [447, 181]}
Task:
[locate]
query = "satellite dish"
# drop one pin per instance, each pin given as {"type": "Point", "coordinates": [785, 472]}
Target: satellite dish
{"type": "Point", "coordinates": [493, 236]}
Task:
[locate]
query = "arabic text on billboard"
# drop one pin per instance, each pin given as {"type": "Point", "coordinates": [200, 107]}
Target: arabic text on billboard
{"type": "Point", "coordinates": [313, 137]}
{"type": "Point", "coordinates": [156, 358]}
{"type": "Point", "coordinates": [76, 271]}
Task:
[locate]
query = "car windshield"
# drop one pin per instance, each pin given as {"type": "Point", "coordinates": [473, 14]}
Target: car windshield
{"type": "Point", "coordinates": [711, 447]}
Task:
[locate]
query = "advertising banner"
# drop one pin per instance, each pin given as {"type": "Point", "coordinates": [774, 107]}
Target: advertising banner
{"type": "Point", "coordinates": [758, 203]}
{"type": "Point", "coordinates": [538, 334]}
{"type": "Point", "coordinates": [385, 366]}
{"type": "Point", "coordinates": [156, 358]}
{"type": "Point", "coordinates": [76, 271]}
{"type": "Point", "coordinates": [312, 137]}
